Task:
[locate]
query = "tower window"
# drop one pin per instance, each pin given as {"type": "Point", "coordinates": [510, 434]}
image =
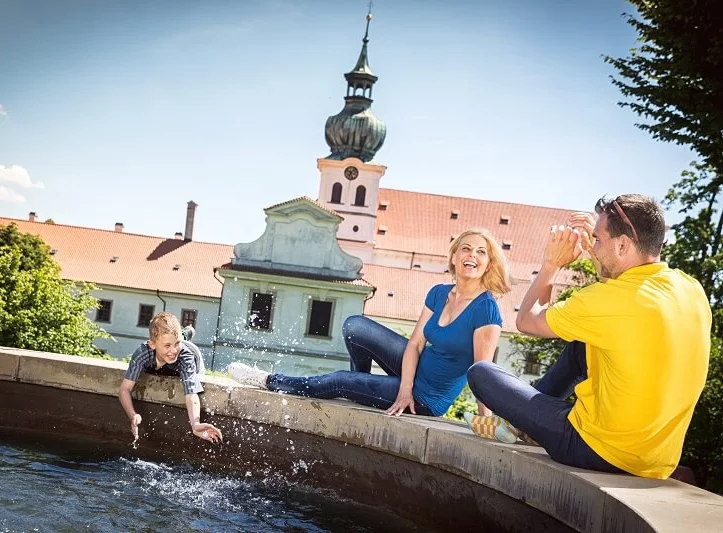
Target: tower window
{"type": "Point", "coordinates": [336, 193]}
{"type": "Point", "coordinates": [361, 195]}
{"type": "Point", "coordinates": [506, 245]}
{"type": "Point", "coordinates": [454, 215]}
{"type": "Point", "coordinates": [504, 220]}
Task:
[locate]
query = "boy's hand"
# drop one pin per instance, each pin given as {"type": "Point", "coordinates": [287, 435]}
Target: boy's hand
{"type": "Point", "coordinates": [208, 432]}
{"type": "Point", "coordinates": [134, 425]}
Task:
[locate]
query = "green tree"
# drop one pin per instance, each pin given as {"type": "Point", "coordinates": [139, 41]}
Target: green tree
{"type": "Point", "coordinates": [674, 77]}
{"type": "Point", "coordinates": [698, 245]}
{"type": "Point", "coordinates": [38, 309]}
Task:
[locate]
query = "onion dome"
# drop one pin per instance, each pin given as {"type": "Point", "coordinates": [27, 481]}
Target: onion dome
{"type": "Point", "coordinates": [355, 131]}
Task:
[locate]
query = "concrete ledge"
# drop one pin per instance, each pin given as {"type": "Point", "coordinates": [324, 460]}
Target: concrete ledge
{"type": "Point", "coordinates": [583, 500]}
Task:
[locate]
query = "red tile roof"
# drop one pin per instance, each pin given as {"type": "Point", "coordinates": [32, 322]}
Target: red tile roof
{"type": "Point", "coordinates": [143, 262]}
{"type": "Point", "coordinates": [423, 223]}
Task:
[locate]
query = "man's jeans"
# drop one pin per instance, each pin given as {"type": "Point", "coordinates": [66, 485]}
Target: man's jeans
{"type": "Point", "coordinates": [541, 411]}
{"type": "Point", "coordinates": [365, 340]}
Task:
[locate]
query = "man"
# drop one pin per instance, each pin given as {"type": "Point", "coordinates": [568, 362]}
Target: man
{"type": "Point", "coordinates": [638, 353]}
{"type": "Point", "coordinates": [167, 353]}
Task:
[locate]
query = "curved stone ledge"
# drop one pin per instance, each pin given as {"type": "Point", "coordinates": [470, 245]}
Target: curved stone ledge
{"type": "Point", "coordinates": [583, 500]}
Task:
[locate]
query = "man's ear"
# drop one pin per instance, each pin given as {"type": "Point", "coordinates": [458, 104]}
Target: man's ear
{"type": "Point", "coordinates": [625, 244]}
{"type": "Point", "coordinates": [151, 344]}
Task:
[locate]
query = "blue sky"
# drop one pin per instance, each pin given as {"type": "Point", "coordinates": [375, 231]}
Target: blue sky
{"type": "Point", "coordinates": [123, 111]}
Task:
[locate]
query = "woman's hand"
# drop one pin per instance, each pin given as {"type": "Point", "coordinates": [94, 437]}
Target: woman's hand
{"type": "Point", "coordinates": [404, 400]}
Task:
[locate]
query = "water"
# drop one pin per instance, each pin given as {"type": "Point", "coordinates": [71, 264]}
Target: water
{"type": "Point", "coordinates": [68, 488]}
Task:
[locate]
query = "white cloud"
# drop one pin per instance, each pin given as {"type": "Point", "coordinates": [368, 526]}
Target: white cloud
{"type": "Point", "coordinates": [19, 176]}
{"type": "Point", "coordinates": [3, 113]}
{"type": "Point", "coordinates": [8, 195]}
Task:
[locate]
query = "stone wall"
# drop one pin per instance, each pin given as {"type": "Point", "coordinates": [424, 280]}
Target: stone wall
{"type": "Point", "coordinates": [433, 470]}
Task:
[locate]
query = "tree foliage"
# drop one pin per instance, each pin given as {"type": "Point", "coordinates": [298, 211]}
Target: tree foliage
{"type": "Point", "coordinates": [698, 245]}
{"type": "Point", "coordinates": [674, 77]}
{"type": "Point", "coordinates": [38, 309]}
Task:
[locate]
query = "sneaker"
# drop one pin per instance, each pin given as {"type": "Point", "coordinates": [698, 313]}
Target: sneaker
{"type": "Point", "coordinates": [188, 333]}
{"type": "Point", "coordinates": [247, 375]}
{"type": "Point", "coordinates": [492, 427]}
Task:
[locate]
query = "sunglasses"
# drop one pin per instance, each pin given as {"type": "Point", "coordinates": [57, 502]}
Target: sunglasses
{"type": "Point", "coordinates": [625, 219]}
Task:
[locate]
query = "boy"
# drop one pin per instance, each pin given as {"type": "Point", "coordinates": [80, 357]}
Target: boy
{"type": "Point", "coordinates": [166, 353]}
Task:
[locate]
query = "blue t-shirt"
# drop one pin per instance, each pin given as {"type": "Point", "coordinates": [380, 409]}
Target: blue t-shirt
{"type": "Point", "coordinates": [442, 369]}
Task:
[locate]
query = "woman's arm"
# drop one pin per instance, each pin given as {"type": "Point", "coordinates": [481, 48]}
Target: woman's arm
{"type": "Point", "coordinates": [410, 359]}
{"type": "Point", "coordinates": [485, 341]}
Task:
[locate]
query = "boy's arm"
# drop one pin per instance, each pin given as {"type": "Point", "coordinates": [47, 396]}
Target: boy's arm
{"type": "Point", "coordinates": [202, 431]}
{"type": "Point", "coordinates": [124, 395]}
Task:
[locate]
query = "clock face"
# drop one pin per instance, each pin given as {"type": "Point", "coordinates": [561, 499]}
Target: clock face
{"type": "Point", "coordinates": [351, 173]}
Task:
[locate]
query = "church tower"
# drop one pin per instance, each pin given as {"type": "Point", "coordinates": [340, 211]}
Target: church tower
{"type": "Point", "coordinates": [349, 177]}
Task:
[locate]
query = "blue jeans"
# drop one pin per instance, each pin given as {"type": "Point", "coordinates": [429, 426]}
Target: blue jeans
{"type": "Point", "coordinates": [541, 411]}
{"type": "Point", "coordinates": [366, 341]}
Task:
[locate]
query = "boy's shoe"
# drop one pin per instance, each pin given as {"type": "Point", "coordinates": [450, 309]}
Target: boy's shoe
{"type": "Point", "coordinates": [247, 375]}
{"type": "Point", "coordinates": [188, 333]}
{"type": "Point", "coordinates": [492, 427]}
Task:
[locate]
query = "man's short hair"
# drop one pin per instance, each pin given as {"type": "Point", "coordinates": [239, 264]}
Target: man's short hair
{"type": "Point", "coordinates": [638, 217]}
{"type": "Point", "coordinates": [164, 323]}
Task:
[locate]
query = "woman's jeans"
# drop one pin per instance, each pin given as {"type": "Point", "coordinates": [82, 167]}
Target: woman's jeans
{"type": "Point", "coordinates": [366, 341]}
{"type": "Point", "coordinates": [541, 411]}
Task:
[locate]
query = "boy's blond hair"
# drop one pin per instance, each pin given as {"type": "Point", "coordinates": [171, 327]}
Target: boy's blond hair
{"type": "Point", "coordinates": [164, 323]}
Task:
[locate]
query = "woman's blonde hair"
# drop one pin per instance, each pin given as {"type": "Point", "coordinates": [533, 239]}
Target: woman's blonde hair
{"type": "Point", "coordinates": [497, 277]}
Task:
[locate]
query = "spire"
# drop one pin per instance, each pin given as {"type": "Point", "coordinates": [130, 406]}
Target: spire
{"type": "Point", "coordinates": [355, 131]}
{"type": "Point", "coordinates": [362, 64]}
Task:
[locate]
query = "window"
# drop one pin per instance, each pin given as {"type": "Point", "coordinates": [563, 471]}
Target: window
{"type": "Point", "coordinates": [336, 193]}
{"type": "Point", "coordinates": [103, 312]}
{"type": "Point", "coordinates": [145, 314]}
{"type": "Point", "coordinates": [320, 318]}
{"type": "Point", "coordinates": [260, 313]}
{"type": "Point", "coordinates": [454, 215]}
{"type": "Point", "coordinates": [361, 195]}
{"type": "Point", "coordinates": [188, 317]}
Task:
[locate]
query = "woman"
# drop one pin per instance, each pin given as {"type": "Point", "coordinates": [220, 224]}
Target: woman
{"type": "Point", "coordinates": [459, 325]}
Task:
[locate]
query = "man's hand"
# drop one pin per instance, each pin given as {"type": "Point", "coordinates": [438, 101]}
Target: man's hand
{"type": "Point", "coordinates": [207, 432]}
{"type": "Point", "coordinates": [135, 422]}
{"type": "Point", "coordinates": [585, 224]}
{"type": "Point", "coordinates": [562, 246]}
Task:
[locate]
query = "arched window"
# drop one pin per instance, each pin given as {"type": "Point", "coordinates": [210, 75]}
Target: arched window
{"type": "Point", "coordinates": [336, 193]}
{"type": "Point", "coordinates": [361, 195]}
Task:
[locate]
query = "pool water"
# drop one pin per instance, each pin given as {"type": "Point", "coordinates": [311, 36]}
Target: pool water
{"type": "Point", "coordinates": [68, 487]}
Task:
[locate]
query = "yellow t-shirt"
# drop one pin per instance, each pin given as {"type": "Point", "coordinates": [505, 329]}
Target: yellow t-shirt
{"type": "Point", "coordinates": [647, 336]}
